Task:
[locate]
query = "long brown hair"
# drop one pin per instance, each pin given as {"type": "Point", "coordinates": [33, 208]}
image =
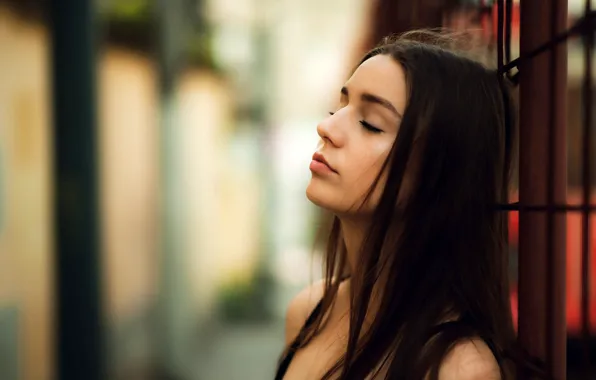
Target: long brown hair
{"type": "Point", "coordinates": [442, 252]}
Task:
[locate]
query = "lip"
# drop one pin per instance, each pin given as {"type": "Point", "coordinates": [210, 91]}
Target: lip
{"type": "Point", "coordinates": [319, 160]}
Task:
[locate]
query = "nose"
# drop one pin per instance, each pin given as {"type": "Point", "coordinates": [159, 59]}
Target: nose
{"type": "Point", "coordinates": [328, 129]}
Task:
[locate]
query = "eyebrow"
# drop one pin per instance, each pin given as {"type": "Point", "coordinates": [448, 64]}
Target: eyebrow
{"type": "Point", "coordinates": [370, 98]}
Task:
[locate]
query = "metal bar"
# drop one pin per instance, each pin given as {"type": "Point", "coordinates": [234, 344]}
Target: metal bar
{"type": "Point", "coordinates": [79, 345]}
{"type": "Point", "coordinates": [587, 184]}
{"type": "Point", "coordinates": [508, 27]}
{"type": "Point", "coordinates": [542, 325]}
{"type": "Point", "coordinates": [586, 23]}
{"type": "Point", "coordinates": [546, 208]}
{"type": "Point", "coordinates": [500, 24]}
{"type": "Point", "coordinates": [550, 225]}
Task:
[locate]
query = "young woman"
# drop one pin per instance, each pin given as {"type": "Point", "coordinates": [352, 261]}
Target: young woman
{"type": "Point", "coordinates": [413, 162]}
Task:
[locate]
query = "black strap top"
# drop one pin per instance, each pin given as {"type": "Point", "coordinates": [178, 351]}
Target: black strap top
{"type": "Point", "coordinates": [286, 359]}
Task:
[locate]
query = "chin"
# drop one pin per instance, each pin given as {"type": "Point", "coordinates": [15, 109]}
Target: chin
{"type": "Point", "coordinates": [313, 195]}
{"type": "Point", "coordinates": [323, 197]}
{"type": "Point", "coordinates": [317, 195]}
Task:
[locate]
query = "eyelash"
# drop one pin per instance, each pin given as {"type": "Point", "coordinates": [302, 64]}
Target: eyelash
{"type": "Point", "coordinates": [369, 127]}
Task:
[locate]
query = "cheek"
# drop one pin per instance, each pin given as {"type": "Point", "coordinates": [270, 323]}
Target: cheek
{"type": "Point", "coordinates": [360, 168]}
{"type": "Point", "coordinates": [367, 164]}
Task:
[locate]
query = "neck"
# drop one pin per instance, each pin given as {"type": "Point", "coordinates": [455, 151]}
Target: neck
{"type": "Point", "coordinates": [353, 231]}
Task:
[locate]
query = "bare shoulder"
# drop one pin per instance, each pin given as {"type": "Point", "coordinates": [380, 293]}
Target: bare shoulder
{"type": "Point", "coordinates": [300, 308]}
{"type": "Point", "coordinates": [470, 360]}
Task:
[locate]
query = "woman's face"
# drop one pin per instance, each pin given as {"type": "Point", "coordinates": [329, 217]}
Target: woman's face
{"type": "Point", "coordinates": [357, 138]}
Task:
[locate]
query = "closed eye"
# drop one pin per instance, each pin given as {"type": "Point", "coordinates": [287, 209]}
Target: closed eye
{"type": "Point", "coordinates": [370, 127]}
{"type": "Point", "coordinates": [365, 124]}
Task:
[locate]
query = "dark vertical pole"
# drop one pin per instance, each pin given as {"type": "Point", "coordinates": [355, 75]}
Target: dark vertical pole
{"type": "Point", "coordinates": [500, 35]}
{"type": "Point", "coordinates": [543, 98]}
{"type": "Point", "coordinates": [588, 124]}
{"type": "Point", "coordinates": [79, 317]}
{"type": "Point", "coordinates": [508, 29]}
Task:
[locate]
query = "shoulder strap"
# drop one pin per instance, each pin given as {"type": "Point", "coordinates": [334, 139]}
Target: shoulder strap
{"type": "Point", "coordinates": [289, 353]}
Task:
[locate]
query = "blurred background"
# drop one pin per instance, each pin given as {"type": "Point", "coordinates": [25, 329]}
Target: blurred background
{"type": "Point", "coordinates": [205, 124]}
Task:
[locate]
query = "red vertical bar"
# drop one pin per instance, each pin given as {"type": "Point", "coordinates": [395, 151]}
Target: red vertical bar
{"type": "Point", "coordinates": [500, 35]}
{"type": "Point", "coordinates": [543, 98]}
{"type": "Point", "coordinates": [587, 185]}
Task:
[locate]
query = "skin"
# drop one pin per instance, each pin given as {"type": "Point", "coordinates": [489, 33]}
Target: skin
{"type": "Point", "coordinates": [376, 94]}
{"type": "Point", "coordinates": [354, 150]}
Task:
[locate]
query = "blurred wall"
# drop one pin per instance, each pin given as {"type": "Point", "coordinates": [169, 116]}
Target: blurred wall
{"type": "Point", "coordinates": [219, 183]}
{"type": "Point", "coordinates": [128, 131]}
{"type": "Point", "coordinates": [25, 195]}
{"type": "Point", "coordinates": [219, 186]}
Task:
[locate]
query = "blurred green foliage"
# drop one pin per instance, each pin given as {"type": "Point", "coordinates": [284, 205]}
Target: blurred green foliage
{"type": "Point", "coordinates": [248, 300]}
{"type": "Point", "coordinates": [126, 10]}
{"type": "Point", "coordinates": [199, 50]}
{"type": "Point", "coordinates": [134, 23]}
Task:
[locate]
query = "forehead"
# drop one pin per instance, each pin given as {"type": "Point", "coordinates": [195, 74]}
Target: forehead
{"type": "Point", "coordinates": [382, 76]}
